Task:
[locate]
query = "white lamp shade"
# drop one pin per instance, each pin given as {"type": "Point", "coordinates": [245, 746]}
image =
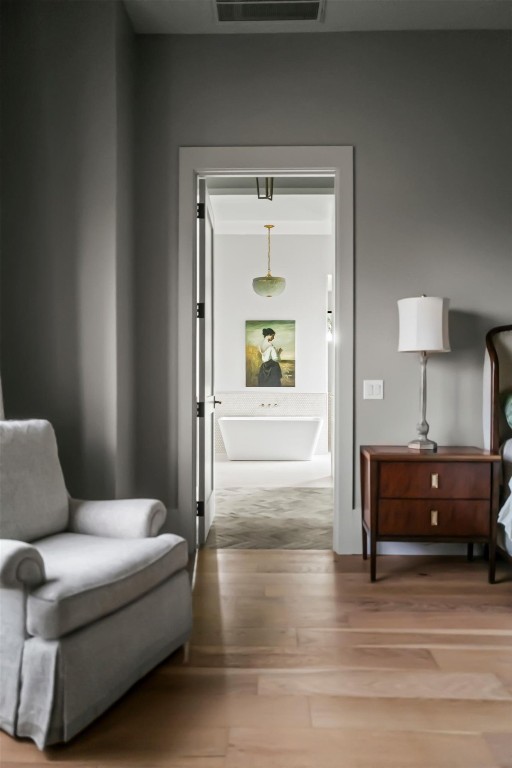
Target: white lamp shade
{"type": "Point", "coordinates": [423, 324]}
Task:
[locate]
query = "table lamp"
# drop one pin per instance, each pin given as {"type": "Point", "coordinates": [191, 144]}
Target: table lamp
{"type": "Point", "coordinates": [423, 324]}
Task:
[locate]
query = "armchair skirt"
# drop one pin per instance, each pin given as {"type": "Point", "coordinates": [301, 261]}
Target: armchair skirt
{"type": "Point", "coordinates": [69, 682]}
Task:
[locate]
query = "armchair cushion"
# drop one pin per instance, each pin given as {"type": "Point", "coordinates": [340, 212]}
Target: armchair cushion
{"type": "Point", "coordinates": [90, 576]}
{"type": "Point", "coordinates": [122, 518]}
{"type": "Point", "coordinates": [34, 500]}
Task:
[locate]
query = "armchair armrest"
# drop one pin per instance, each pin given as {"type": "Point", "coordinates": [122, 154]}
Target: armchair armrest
{"type": "Point", "coordinates": [20, 564]}
{"type": "Point", "coordinates": [117, 519]}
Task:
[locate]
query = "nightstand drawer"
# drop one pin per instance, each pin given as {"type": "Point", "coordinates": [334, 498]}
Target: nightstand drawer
{"type": "Point", "coordinates": [439, 518]}
{"type": "Point", "coordinates": [434, 480]}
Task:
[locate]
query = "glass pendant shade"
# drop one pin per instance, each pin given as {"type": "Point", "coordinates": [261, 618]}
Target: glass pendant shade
{"type": "Point", "coordinates": [268, 285]}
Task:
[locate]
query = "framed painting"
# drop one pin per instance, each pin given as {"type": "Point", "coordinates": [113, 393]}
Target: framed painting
{"type": "Point", "coordinates": [270, 353]}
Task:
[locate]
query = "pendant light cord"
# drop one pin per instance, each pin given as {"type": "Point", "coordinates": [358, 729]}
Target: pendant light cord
{"type": "Point", "coordinates": [269, 227]}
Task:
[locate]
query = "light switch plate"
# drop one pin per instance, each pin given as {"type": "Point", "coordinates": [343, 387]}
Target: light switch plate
{"type": "Point", "coordinates": [373, 389]}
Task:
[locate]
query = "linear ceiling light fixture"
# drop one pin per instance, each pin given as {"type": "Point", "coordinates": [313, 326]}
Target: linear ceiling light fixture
{"type": "Point", "coordinates": [268, 193]}
{"type": "Point", "coordinates": [270, 10]}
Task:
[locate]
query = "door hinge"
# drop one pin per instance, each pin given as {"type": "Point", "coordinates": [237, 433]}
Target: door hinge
{"type": "Point", "coordinates": [200, 310]}
{"type": "Point", "coordinates": [200, 410]}
{"type": "Point", "coordinates": [200, 508]}
{"type": "Point", "coordinates": [200, 210]}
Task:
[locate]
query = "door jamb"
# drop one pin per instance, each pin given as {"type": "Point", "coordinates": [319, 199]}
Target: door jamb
{"type": "Point", "coordinates": [268, 161]}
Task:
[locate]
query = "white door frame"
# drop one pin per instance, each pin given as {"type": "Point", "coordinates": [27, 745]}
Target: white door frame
{"type": "Point", "coordinates": [270, 161]}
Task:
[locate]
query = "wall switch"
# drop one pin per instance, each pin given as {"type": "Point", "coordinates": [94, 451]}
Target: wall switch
{"type": "Point", "coordinates": [373, 389]}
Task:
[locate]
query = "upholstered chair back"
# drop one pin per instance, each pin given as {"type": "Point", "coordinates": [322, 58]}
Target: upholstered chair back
{"type": "Point", "coordinates": [502, 343]}
{"type": "Point", "coordinates": [33, 498]}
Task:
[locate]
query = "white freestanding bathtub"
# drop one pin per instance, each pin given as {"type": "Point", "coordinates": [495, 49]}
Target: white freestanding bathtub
{"type": "Point", "coordinates": [270, 438]}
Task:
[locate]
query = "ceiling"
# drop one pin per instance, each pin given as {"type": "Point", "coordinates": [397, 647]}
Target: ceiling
{"type": "Point", "coordinates": [301, 214]}
{"type": "Point", "coordinates": [301, 205]}
{"type": "Point", "coordinates": [190, 17]}
{"type": "Point", "coordinates": [282, 185]}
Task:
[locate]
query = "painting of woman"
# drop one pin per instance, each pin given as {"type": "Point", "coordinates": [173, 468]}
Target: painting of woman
{"type": "Point", "coordinates": [270, 353]}
{"type": "Point", "coordinates": [270, 373]}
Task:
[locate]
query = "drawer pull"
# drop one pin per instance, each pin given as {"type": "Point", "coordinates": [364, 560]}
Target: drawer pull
{"type": "Point", "coordinates": [434, 480]}
{"type": "Point", "coordinates": [434, 515]}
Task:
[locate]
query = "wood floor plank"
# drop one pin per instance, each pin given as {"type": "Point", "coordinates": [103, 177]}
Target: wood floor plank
{"type": "Point", "coordinates": [212, 711]}
{"type": "Point", "coordinates": [207, 682]}
{"type": "Point", "coordinates": [255, 612]}
{"type": "Point", "coordinates": [245, 637]}
{"type": "Point", "coordinates": [424, 715]}
{"type": "Point", "coordinates": [16, 752]}
{"type": "Point", "coordinates": [217, 587]}
{"type": "Point", "coordinates": [153, 741]}
{"type": "Point", "coordinates": [474, 660]}
{"type": "Point", "coordinates": [416, 620]}
{"type": "Point", "coordinates": [432, 639]}
{"type": "Point", "coordinates": [167, 762]}
{"type": "Point", "coordinates": [500, 745]}
{"type": "Point", "coordinates": [346, 587]}
{"type": "Point", "coordinates": [386, 684]}
{"type": "Point", "coordinates": [324, 748]}
{"type": "Point", "coordinates": [300, 657]}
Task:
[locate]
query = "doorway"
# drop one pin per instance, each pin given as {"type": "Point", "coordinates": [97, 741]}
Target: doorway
{"type": "Point", "coordinates": [272, 438]}
{"type": "Point", "coordinates": [270, 161]}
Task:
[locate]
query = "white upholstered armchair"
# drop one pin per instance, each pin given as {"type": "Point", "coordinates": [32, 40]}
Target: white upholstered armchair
{"type": "Point", "coordinates": [91, 598]}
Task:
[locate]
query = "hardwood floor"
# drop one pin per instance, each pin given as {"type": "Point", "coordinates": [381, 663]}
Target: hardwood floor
{"type": "Point", "coordinates": [297, 661]}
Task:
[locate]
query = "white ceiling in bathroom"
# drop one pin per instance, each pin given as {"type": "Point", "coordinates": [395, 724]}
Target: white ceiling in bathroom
{"type": "Point", "coordinates": [303, 214]}
{"type": "Point", "coordinates": [283, 185]}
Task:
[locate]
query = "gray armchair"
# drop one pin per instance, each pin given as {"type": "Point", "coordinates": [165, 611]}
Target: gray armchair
{"type": "Point", "coordinates": [91, 598]}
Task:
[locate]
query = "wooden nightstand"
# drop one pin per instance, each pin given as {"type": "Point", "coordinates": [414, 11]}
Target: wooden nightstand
{"type": "Point", "coordinates": [447, 496]}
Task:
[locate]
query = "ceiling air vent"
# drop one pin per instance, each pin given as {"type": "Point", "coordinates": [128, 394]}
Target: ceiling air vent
{"type": "Point", "coordinates": [269, 10]}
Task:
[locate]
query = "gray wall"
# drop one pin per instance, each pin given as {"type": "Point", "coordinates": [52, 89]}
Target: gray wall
{"type": "Point", "coordinates": [66, 231]}
{"type": "Point", "coordinates": [430, 117]}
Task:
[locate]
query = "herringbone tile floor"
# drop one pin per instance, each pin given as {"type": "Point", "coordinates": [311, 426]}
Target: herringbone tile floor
{"type": "Point", "coordinates": [272, 518]}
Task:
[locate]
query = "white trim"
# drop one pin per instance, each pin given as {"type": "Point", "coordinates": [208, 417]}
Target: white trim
{"type": "Point", "coordinates": [204, 161]}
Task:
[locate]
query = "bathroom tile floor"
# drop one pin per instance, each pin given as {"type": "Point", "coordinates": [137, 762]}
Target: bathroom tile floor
{"type": "Point", "coordinates": [272, 504]}
{"type": "Point", "coordinates": [273, 474]}
{"type": "Point", "coordinates": [272, 518]}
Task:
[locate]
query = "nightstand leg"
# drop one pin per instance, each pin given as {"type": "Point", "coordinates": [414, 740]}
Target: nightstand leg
{"type": "Point", "coordinates": [365, 544]}
{"type": "Point", "coordinates": [373, 558]}
{"type": "Point", "coordinates": [470, 552]}
{"type": "Point", "coordinates": [492, 562]}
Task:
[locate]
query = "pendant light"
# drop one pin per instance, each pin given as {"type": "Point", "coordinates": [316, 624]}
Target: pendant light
{"type": "Point", "coordinates": [268, 286]}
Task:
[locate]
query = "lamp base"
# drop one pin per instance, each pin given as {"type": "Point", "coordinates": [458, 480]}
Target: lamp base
{"type": "Point", "coordinates": [422, 444]}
